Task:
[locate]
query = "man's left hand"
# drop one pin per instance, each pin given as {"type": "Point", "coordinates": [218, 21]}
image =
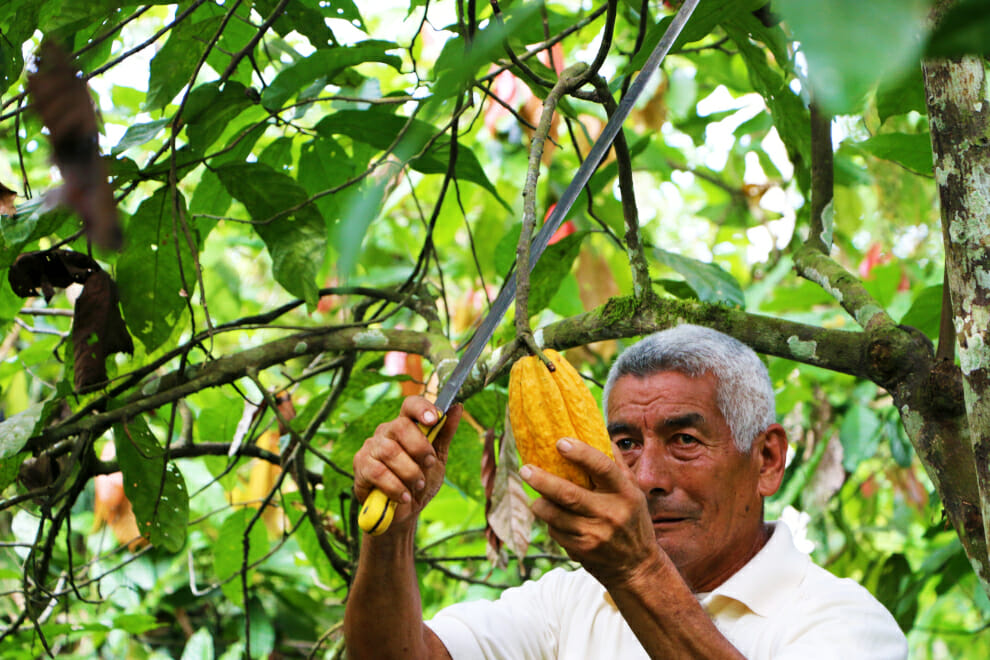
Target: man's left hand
{"type": "Point", "coordinates": [607, 529]}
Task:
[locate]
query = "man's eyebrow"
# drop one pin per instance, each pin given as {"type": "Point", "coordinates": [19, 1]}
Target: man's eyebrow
{"type": "Point", "coordinates": [615, 428]}
{"type": "Point", "coordinates": [683, 421]}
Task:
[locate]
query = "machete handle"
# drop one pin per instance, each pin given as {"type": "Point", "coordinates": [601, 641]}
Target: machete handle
{"type": "Point", "coordinates": [377, 511]}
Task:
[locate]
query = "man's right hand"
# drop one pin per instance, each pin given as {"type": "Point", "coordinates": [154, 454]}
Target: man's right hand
{"type": "Point", "coordinates": [400, 461]}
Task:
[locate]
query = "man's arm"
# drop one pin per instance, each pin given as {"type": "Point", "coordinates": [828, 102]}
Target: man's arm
{"type": "Point", "coordinates": [384, 617]}
{"type": "Point", "coordinates": [609, 531]}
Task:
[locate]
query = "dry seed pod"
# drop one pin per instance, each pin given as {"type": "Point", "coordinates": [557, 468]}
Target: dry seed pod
{"type": "Point", "coordinates": [545, 406]}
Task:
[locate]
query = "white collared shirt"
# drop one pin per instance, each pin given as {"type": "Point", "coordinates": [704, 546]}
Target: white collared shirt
{"type": "Point", "coordinates": [779, 606]}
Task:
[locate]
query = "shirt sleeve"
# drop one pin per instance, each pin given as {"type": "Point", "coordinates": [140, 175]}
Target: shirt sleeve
{"type": "Point", "coordinates": [522, 624]}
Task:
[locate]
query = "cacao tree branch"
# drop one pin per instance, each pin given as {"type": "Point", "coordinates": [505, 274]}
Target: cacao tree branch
{"type": "Point", "coordinates": [822, 178]}
{"type": "Point", "coordinates": [642, 284]}
{"type": "Point", "coordinates": [847, 289]}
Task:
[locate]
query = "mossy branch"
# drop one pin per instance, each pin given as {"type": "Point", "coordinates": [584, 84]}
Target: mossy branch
{"type": "Point", "coordinates": [847, 289]}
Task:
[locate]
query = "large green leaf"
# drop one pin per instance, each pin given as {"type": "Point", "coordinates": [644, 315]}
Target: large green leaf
{"type": "Point", "coordinates": [210, 108]}
{"type": "Point", "coordinates": [551, 269]}
{"type": "Point", "coordinates": [912, 150]}
{"type": "Point", "coordinates": [296, 241]}
{"type": "Point", "coordinates": [963, 30]}
{"type": "Point", "coordinates": [840, 36]}
{"type": "Point", "coordinates": [324, 65]}
{"type": "Point", "coordinates": [709, 281]}
{"type": "Point", "coordinates": [153, 289]}
{"type": "Point", "coordinates": [239, 544]}
{"type": "Point", "coordinates": [417, 145]}
{"type": "Point", "coordinates": [154, 486]}
{"type": "Point", "coordinates": [138, 134]}
{"type": "Point", "coordinates": [173, 65]}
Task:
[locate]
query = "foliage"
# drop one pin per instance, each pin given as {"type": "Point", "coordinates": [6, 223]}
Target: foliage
{"type": "Point", "coordinates": [313, 195]}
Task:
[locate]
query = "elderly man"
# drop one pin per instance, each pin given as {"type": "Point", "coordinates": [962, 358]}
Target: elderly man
{"type": "Point", "coordinates": [676, 559]}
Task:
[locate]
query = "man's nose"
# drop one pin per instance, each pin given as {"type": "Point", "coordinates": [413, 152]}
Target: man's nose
{"type": "Point", "coordinates": [653, 469]}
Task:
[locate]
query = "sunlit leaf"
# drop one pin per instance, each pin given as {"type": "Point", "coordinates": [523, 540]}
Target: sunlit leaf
{"type": "Point", "coordinates": [838, 36]}
{"type": "Point", "coordinates": [709, 281]}
{"type": "Point", "coordinates": [292, 229]}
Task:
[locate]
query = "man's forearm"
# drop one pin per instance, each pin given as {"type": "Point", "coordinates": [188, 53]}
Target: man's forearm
{"type": "Point", "coordinates": [384, 615]}
{"type": "Point", "coordinates": [666, 617]}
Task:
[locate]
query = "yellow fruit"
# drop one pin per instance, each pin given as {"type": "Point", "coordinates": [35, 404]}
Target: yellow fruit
{"type": "Point", "coordinates": [545, 406]}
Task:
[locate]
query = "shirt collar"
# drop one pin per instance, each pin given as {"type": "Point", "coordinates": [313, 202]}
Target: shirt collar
{"type": "Point", "coordinates": [767, 577]}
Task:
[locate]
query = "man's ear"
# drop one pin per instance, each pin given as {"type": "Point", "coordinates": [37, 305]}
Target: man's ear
{"type": "Point", "coordinates": [771, 449]}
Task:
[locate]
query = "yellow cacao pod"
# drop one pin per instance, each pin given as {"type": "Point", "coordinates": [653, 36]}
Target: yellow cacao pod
{"type": "Point", "coordinates": [545, 406]}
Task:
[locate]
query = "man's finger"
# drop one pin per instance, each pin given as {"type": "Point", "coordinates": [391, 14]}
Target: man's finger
{"type": "Point", "coordinates": [604, 471]}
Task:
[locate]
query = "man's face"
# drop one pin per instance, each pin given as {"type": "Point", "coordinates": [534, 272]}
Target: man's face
{"type": "Point", "coordinates": [704, 495]}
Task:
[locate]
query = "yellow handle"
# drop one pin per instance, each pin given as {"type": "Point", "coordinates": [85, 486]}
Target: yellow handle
{"type": "Point", "coordinates": [377, 511]}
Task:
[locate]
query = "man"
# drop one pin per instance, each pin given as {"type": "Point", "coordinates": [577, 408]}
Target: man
{"type": "Point", "coordinates": [676, 560]}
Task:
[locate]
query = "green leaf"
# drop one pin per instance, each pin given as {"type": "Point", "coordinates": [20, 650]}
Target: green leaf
{"type": "Point", "coordinates": [210, 109]}
{"type": "Point", "coordinates": [790, 116]}
{"type": "Point", "coordinates": [308, 17]}
{"type": "Point", "coordinates": [155, 488]}
{"type": "Point", "coordinates": [840, 36]}
{"type": "Point", "coordinates": [238, 534]}
{"type": "Point", "coordinates": [138, 134]}
{"type": "Point", "coordinates": [902, 95]}
{"type": "Point", "coordinates": [859, 435]}
{"type": "Point", "coordinates": [897, 589]}
{"type": "Point", "coordinates": [704, 19]}
{"type": "Point", "coordinates": [199, 646]}
{"type": "Point", "coordinates": [464, 462]}
{"type": "Point", "coordinates": [912, 150]}
{"type": "Point", "coordinates": [380, 129]}
{"type": "Point", "coordinates": [149, 279]}
{"type": "Point", "coordinates": [925, 313]}
{"type": "Point", "coordinates": [10, 467]}
{"type": "Point", "coordinates": [296, 241]}
{"type": "Point", "coordinates": [17, 429]}
{"type": "Point", "coordinates": [33, 221]}
{"type": "Point", "coordinates": [709, 281]}
{"type": "Point", "coordinates": [135, 623]}
{"type": "Point", "coordinates": [324, 65]}
{"type": "Point", "coordinates": [173, 65]}
{"type": "Point", "coordinates": [963, 30]}
{"type": "Point", "coordinates": [551, 270]}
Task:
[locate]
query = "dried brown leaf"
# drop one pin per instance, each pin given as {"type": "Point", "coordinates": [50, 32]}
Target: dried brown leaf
{"type": "Point", "coordinates": [62, 100]}
{"type": "Point", "coordinates": [48, 269]}
{"type": "Point", "coordinates": [98, 331]}
{"type": "Point", "coordinates": [510, 516]}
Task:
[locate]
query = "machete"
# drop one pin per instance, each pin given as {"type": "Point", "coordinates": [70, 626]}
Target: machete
{"type": "Point", "coordinates": [377, 510]}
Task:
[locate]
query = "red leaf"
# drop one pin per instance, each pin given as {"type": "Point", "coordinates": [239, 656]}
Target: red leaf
{"type": "Point", "coordinates": [97, 331]}
{"type": "Point", "coordinates": [62, 99]}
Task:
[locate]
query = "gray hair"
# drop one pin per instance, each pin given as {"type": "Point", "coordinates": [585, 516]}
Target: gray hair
{"type": "Point", "coordinates": [744, 392]}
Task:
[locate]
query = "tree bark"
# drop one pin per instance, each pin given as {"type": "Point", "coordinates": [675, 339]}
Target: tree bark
{"type": "Point", "coordinates": [959, 117]}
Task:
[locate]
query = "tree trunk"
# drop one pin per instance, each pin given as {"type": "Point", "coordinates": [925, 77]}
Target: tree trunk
{"type": "Point", "coordinates": [959, 116]}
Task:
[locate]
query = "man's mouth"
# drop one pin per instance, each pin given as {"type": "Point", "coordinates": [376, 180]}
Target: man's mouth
{"type": "Point", "coordinates": [667, 521]}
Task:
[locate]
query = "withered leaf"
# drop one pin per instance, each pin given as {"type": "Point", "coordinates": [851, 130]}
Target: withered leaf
{"type": "Point", "coordinates": [48, 269]}
{"type": "Point", "coordinates": [63, 101]}
{"type": "Point", "coordinates": [7, 200]}
{"type": "Point", "coordinates": [98, 331]}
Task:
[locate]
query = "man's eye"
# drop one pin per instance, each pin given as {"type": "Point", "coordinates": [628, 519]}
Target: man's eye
{"type": "Point", "coordinates": [685, 439]}
{"type": "Point", "coordinates": [624, 444]}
